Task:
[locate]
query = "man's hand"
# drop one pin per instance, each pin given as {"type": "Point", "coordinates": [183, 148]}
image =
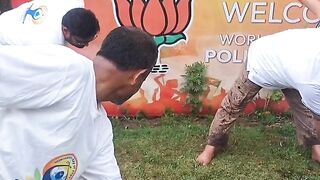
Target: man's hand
{"type": "Point", "coordinates": [316, 153]}
{"type": "Point", "coordinates": [206, 156]}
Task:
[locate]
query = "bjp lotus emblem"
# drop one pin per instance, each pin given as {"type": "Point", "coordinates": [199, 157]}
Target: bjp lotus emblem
{"type": "Point", "coordinates": [166, 20]}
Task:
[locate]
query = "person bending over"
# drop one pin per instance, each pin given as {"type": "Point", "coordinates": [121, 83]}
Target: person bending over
{"type": "Point", "coordinates": [49, 22]}
{"type": "Point", "coordinates": [288, 61]}
{"type": "Point", "coordinates": [52, 123]}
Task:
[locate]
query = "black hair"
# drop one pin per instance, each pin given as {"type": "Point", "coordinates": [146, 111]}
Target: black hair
{"type": "Point", "coordinates": [81, 22]}
{"type": "Point", "coordinates": [129, 48]}
{"type": "Point", "coordinates": [5, 5]}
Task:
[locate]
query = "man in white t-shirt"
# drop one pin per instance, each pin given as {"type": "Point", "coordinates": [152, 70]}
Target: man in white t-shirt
{"type": "Point", "coordinates": [52, 123]}
{"type": "Point", "coordinates": [49, 22]}
{"type": "Point", "coordinates": [289, 60]}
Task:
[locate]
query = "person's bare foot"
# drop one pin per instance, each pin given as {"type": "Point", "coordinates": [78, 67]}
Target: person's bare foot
{"type": "Point", "coordinates": [316, 153]}
{"type": "Point", "coordinates": [206, 156]}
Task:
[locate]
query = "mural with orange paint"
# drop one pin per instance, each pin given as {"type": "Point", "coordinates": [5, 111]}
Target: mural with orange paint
{"type": "Point", "coordinates": [6, 5]}
{"type": "Point", "coordinates": [16, 3]}
{"type": "Point", "coordinates": [166, 20]}
{"type": "Point", "coordinates": [217, 33]}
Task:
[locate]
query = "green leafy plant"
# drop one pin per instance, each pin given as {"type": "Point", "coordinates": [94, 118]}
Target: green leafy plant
{"type": "Point", "coordinates": [276, 95]}
{"type": "Point", "coordinates": [195, 83]}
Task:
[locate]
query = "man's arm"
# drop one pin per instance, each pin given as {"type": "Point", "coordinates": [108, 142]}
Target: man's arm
{"type": "Point", "coordinates": [103, 165]}
{"type": "Point", "coordinates": [232, 106]}
{"type": "Point", "coordinates": [313, 5]}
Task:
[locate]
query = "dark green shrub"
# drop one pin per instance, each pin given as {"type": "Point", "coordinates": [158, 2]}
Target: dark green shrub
{"type": "Point", "coordinates": [195, 84]}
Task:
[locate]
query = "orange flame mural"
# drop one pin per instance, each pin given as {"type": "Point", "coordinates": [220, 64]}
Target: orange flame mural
{"type": "Point", "coordinates": [166, 20]}
{"type": "Point", "coordinates": [16, 3]}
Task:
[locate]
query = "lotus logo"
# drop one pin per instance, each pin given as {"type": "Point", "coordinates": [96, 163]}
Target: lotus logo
{"type": "Point", "coordinates": [166, 20]}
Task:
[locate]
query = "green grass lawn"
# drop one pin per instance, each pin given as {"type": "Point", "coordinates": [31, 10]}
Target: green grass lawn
{"type": "Point", "coordinates": [264, 149]}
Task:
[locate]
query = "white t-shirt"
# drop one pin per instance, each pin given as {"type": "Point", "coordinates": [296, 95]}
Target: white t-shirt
{"type": "Point", "coordinates": [289, 59]}
{"type": "Point", "coordinates": [36, 22]}
{"type": "Point", "coordinates": [50, 123]}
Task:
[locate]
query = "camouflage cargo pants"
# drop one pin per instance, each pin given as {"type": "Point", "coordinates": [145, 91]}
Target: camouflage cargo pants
{"type": "Point", "coordinates": [242, 92]}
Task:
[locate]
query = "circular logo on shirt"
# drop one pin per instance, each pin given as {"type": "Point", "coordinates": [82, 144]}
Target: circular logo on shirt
{"type": "Point", "coordinates": [61, 168]}
{"type": "Point", "coordinates": [36, 15]}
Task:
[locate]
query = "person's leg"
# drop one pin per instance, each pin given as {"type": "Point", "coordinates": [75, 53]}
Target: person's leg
{"type": "Point", "coordinates": [316, 145]}
{"type": "Point", "coordinates": [307, 123]}
{"type": "Point", "coordinates": [241, 93]}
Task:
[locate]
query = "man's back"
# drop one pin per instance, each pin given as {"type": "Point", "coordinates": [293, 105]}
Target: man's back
{"type": "Point", "coordinates": [286, 58]}
{"type": "Point", "coordinates": [289, 59]}
{"type": "Point", "coordinates": [50, 122]}
{"type": "Point", "coordinates": [36, 22]}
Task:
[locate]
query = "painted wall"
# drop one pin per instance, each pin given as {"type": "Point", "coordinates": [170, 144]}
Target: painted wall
{"type": "Point", "coordinates": [216, 32]}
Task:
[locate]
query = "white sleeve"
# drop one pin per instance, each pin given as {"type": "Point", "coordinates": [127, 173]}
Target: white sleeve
{"type": "Point", "coordinates": [310, 94]}
{"type": "Point", "coordinates": [103, 165]}
{"type": "Point", "coordinates": [33, 76]}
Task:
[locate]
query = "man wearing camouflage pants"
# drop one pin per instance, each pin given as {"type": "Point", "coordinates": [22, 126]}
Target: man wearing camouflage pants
{"type": "Point", "coordinates": [290, 61]}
